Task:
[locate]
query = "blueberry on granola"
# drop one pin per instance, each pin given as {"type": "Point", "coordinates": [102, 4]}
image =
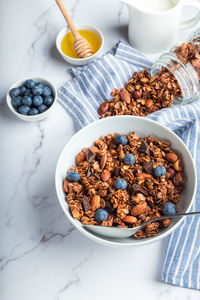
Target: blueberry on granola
{"type": "Point", "coordinates": [101, 215]}
{"type": "Point", "coordinates": [129, 159]}
{"type": "Point", "coordinates": [120, 184]}
{"type": "Point", "coordinates": [73, 176]}
{"type": "Point", "coordinates": [159, 171]}
{"type": "Point", "coordinates": [121, 139]}
{"type": "Point", "coordinates": [169, 208]}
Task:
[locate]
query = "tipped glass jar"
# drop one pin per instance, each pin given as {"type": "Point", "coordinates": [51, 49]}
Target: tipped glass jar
{"type": "Point", "coordinates": [183, 61]}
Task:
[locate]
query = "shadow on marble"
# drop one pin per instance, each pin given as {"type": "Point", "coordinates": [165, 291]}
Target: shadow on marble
{"type": "Point", "coordinates": [53, 52]}
{"type": "Point", "coordinates": [121, 31]}
{"type": "Point", "coordinates": [5, 113]}
{"type": "Point", "coordinates": [160, 260]}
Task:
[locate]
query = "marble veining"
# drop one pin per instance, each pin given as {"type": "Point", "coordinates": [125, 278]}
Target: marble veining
{"type": "Point", "coordinates": [42, 256]}
{"type": "Point", "coordinates": [75, 279]}
{"type": "Point", "coordinates": [4, 261]}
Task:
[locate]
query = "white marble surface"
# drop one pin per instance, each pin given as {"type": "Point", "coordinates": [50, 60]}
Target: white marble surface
{"type": "Point", "coordinates": [41, 255]}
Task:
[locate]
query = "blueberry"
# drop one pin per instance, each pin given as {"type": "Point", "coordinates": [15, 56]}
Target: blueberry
{"type": "Point", "coordinates": [39, 84]}
{"type": "Point", "coordinates": [121, 139]}
{"type": "Point", "coordinates": [159, 171]}
{"type": "Point", "coordinates": [37, 100]}
{"type": "Point", "coordinates": [129, 159]}
{"type": "Point", "coordinates": [17, 101]}
{"type": "Point", "coordinates": [24, 109]}
{"type": "Point", "coordinates": [73, 176]}
{"type": "Point", "coordinates": [22, 90]}
{"type": "Point", "coordinates": [48, 100]}
{"type": "Point", "coordinates": [26, 100]}
{"type": "Point", "coordinates": [30, 83]}
{"type": "Point", "coordinates": [169, 208]}
{"type": "Point", "coordinates": [37, 91]}
{"type": "Point", "coordinates": [101, 215]}
{"type": "Point", "coordinates": [28, 93]}
{"type": "Point", "coordinates": [46, 91]}
{"type": "Point", "coordinates": [120, 184]}
{"type": "Point", "coordinates": [33, 111]}
{"type": "Point", "coordinates": [42, 108]}
{"type": "Point", "coordinates": [14, 92]}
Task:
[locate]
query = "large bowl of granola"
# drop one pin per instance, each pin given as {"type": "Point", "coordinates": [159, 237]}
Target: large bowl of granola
{"type": "Point", "coordinates": [121, 172]}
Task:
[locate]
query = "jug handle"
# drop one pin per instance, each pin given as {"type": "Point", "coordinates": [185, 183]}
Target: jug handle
{"type": "Point", "coordinates": [191, 22]}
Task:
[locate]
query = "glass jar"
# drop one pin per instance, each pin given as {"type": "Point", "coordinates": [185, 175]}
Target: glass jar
{"type": "Point", "coordinates": [183, 61]}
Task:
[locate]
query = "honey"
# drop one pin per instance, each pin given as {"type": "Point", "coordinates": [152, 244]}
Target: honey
{"type": "Point", "coordinates": [67, 44]}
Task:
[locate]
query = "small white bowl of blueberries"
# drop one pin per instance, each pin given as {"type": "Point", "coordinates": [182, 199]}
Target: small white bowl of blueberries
{"type": "Point", "coordinates": [31, 99]}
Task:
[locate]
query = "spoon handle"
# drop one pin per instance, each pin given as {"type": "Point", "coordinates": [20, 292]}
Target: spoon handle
{"type": "Point", "coordinates": [67, 18]}
{"type": "Point", "coordinates": [170, 217]}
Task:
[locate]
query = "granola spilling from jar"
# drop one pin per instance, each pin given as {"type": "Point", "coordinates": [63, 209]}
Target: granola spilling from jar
{"type": "Point", "coordinates": [142, 95]}
{"type": "Point", "coordinates": [123, 181]}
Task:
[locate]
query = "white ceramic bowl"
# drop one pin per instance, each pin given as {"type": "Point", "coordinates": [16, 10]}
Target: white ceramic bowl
{"type": "Point", "coordinates": [79, 61]}
{"type": "Point", "coordinates": [38, 117]}
{"type": "Point", "coordinates": [125, 124]}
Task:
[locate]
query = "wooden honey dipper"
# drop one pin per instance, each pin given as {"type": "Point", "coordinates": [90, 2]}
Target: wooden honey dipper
{"type": "Point", "coordinates": [81, 46]}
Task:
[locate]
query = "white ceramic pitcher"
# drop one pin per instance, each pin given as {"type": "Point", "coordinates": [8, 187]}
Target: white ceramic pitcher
{"type": "Point", "coordinates": [153, 24]}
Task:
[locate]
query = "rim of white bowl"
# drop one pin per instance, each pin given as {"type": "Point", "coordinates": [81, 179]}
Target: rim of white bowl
{"type": "Point", "coordinates": [66, 29]}
{"type": "Point", "coordinates": [22, 81]}
{"type": "Point", "coordinates": [113, 243]}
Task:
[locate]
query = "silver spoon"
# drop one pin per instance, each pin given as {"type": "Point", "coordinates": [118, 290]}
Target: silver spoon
{"type": "Point", "coordinates": [117, 232]}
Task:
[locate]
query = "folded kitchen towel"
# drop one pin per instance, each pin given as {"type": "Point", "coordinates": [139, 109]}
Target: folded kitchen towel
{"type": "Point", "coordinates": [81, 97]}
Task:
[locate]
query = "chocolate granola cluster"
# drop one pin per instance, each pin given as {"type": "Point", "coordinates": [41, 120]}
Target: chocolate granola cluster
{"type": "Point", "coordinates": [123, 181]}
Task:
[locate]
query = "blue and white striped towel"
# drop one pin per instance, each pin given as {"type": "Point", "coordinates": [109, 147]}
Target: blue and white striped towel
{"type": "Point", "coordinates": [82, 96]}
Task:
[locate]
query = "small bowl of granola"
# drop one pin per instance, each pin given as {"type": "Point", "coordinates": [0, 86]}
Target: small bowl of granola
{"type": "Point", "coordinates": [121, 172]}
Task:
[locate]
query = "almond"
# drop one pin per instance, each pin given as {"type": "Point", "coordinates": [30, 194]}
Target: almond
{"type": "Point", "coordinates": [139, 209]}
{"type": "Point", "coordinates": [102, 193]}
{"type": "Point", "coordinates": [137, 94]}
{"type": "Point", "coordinates": [80, 157]}
{"type": "Point", "coordinates": [95, 203]}
{"type": "Point", "coordinates": [144, 80]}
{"type": "Point", "coordinates": [103, 108]}
{"type": "Point", "coordinates": [167, 222]}
{"type": "Point", "coordinates": [94, 149]}
{"type": "Point", "coordinates": [103, 161]}
{"type": "Point", "coordinates": [172, 157]}
{"type": "Point", "coordinates": [178, 166]}
{"type": "Point", "coordinates": [148, 103]}
{"type": "Point", "coordinates": [130, 219]}
{"type": "Point", "coordinates": [105, 175]}
{"type": "Point", "coordinates": [143, 175]}
{"type": "Point", "coordinates": [125, 96]}
{"type": "Point", "coordinates": [171, 172]}
{"type": "Point", "coordinates": [157, 214]}
{"type": "Point", "coordinates": [65, 185]}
